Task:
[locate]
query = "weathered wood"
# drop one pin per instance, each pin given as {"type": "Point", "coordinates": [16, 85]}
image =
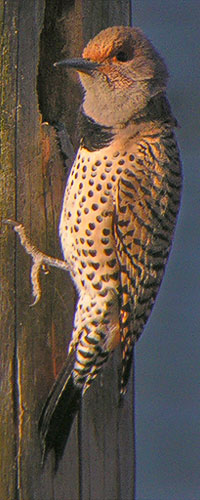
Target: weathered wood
{"type": "Point", "coordinates": [107, 440]}
{"type": "Point", "coordinates": [98, 462]}
{"type": "Point", "coordinates": [8, 438]}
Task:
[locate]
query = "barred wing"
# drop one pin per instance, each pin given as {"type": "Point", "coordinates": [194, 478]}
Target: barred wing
{"type": "Point", "coordinates": [143, 228]}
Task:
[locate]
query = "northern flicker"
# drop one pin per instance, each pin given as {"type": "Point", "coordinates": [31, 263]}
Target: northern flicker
{"type": "Point", "coordinates": [119, 212]}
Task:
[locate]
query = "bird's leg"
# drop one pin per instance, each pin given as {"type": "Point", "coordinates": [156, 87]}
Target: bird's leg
{"type": "Point", "coordinates": [40, 259]}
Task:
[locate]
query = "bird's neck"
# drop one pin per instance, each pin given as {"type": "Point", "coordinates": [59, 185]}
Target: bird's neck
{"type": "Point", "coordinates": [111, 109]}
{"type": "Point", "coordinates": [156, 115]}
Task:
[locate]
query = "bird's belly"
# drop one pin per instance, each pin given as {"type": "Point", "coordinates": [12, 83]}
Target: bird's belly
{"type": "Point", "coordinates": [86, 236]}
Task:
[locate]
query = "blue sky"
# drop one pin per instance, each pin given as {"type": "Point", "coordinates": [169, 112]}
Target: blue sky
{"type": "Point", "coordinates": [168, 354]}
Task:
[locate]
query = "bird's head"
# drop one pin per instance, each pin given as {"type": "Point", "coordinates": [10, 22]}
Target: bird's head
{"type": "Point", "coordinates": [120, 71]}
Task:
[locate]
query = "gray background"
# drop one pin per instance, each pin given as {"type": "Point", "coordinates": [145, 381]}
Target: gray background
{"type": "Point", "coordinates": [168, 354]}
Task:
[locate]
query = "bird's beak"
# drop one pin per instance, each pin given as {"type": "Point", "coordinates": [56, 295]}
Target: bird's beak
{"type": "Point", "coordinates": [80, 64]}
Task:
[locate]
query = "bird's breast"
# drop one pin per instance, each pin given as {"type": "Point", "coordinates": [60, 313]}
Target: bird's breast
{"type": "Point", "coordinates": [87, 218]}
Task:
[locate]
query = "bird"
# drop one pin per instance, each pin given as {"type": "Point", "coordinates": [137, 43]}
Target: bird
{"type": "Point", "coordinates": [118, 216]}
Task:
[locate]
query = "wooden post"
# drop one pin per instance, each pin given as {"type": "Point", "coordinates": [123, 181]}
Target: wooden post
{"type": "Point", "coordinates": [98, 462]}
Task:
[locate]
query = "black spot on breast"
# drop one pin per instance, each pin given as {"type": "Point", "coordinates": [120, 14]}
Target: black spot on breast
{"type": "Point", "coordinates": [131, 157]}
{"type": "Point", "coordinates": [112, 263]}
{"type": "Point", "coordinates": [97, 286]}
{"type": "Point", "coordinates": [98, 311]}
{"type": "Point", "coordinates": [95, 206]}
{"type": "Point", "coordinates": [105, 241]}
{"type": "Point", "coordinates": [90, 276]}
{"type": "Point", "coordinates": [106, 213]}
{"type": "Point", "coordinates": [105, 277]}
{"type": "Point", "coordinates": [106, 231]}
{"type": "Point", "coordinates": [108, 251]}
{"type": "Point", "coordinates": [99, 218]}
{"type": "Point", "coordinates": [90, 242]}
{"type": "Point", "coordinates": [90, 193]}
{"type": "Point", "coordinates": [121, 162]}
{"type": "Point", "coordinates": [98, 187]}
{"type": "Point", "coordinates": [91, 182]}
{"type": "Point", "coordinates": [93, 253]}
{"type": "Point", "coordinates": [103, 199]}
{"type": "Point", "coordinates": [106, 321]}
{"type": "Point", "coordinates": [91, 225]}
{"type": "Point", "coordinates": [95, 265]}
{"type": "Point", "coordinates": [86, 210]}
{"type": "Point", "coordinates": [103, 177]}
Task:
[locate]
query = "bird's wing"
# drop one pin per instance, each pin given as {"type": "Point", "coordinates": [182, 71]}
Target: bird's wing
{"type": "Point", "coordinates": [142, 250]}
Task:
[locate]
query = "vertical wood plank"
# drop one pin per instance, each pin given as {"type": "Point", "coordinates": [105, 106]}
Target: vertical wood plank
{"type": "Point", "coordinates": [42, 331]}
{"type": "Point", "coordinates": [99, 459]}
{"type": "Point", "coordinates": [8, 55]}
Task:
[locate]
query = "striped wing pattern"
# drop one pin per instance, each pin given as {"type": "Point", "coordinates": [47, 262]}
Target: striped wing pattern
{"type": "Point", "coordinates": [147, 203]}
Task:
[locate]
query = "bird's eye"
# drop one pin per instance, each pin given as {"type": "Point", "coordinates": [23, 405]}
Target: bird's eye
{"type": "Point", "coordinates": [122, 56]}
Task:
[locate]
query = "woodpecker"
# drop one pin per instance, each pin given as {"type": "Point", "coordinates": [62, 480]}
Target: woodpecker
{"type": "Point", "coordinates": [119, 213]}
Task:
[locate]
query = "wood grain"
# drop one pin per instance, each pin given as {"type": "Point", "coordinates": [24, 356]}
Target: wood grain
{"type": "Point", "coordinates": [98, 462]}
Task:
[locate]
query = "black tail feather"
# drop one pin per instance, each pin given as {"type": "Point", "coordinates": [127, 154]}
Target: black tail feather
{"type": "Point", "coordinates": [59, 412]}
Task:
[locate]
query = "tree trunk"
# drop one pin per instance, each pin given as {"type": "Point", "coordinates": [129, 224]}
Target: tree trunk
{"type": "Point", "coordinates": [98, 462]}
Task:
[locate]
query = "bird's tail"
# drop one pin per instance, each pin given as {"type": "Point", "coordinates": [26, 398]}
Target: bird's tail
{"type": "Point", "coordinates": [59, 411]}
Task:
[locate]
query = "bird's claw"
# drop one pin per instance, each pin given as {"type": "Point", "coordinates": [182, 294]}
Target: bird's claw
{"type": "Point", "coordinates": [40, 259]}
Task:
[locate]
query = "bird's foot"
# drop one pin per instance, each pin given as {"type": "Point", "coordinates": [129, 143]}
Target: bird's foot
{"type": "Point", "coordinates": [40, 259]}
